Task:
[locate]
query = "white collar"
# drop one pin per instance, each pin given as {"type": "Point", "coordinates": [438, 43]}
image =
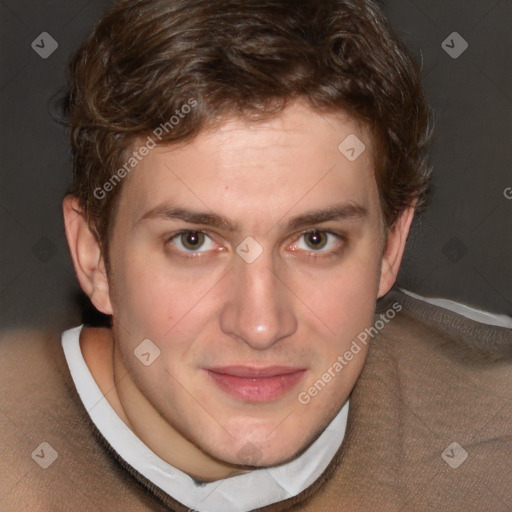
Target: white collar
{"type": "Point", "coordinates": [478, 315]}
{"type": "Point", "coordinates": [239, 493]}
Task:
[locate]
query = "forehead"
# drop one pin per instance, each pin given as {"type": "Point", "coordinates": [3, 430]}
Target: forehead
{"type": "Point", "coordinates": [267, 167]}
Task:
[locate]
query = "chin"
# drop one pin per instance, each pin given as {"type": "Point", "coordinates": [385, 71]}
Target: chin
{"type": "Point", "coordinates": [264, 452]}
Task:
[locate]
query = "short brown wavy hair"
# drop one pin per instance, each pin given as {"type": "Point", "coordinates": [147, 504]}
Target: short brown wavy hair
{"type": "Point", "coordinates": [145, 59]}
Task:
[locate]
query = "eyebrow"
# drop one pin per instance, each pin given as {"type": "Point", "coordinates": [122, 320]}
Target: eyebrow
{"type": "Point", "coordinates": [336, 212]}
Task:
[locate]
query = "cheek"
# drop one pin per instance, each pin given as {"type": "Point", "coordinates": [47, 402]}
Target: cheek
{"type": "Point", "coordinates": [141, 292]}
{"type": "Point", "coordinates": [344, 296]}
{"type": "Point", "coordinates": [155, 300]}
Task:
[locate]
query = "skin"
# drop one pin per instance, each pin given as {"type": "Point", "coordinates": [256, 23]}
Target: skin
{"type": "Point", "coordinates": [215, 309]}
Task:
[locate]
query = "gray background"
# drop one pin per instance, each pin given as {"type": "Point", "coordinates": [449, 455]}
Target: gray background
{"type": "Point", "coordinates": [460, 249]}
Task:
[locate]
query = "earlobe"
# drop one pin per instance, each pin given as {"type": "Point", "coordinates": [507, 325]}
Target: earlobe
{"type": "Point", "coordinates": [87, 255]}
{"type": "Point", "coordinates": [393, 253]}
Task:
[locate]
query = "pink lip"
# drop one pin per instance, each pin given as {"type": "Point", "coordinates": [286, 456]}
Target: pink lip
{"type": "Point", "coordinates": [256, 384]}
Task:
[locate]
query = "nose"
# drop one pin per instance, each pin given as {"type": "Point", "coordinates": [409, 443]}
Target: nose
{"type": "Point", "coordinates": [259, 309]}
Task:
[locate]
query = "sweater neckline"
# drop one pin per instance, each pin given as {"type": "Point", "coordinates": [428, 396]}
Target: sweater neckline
{"type": "Point", "coordinates": [472, 313]}
{"type": "Point", "coordinates": [240, 493]}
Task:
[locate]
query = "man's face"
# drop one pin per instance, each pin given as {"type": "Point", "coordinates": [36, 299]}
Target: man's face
{"type": "Point", "coordinates": [250, 313]}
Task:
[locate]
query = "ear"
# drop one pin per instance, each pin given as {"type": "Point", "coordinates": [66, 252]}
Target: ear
{"type": "Point", "coordinates": [394, 250]}
{"type": "Point", "coordinates": [87, 256]}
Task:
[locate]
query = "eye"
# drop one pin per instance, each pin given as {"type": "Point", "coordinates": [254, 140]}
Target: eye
{"type": "Point", "coordinates": [318, 241]}
{"type": "Point", "coordinates": [191, 241]}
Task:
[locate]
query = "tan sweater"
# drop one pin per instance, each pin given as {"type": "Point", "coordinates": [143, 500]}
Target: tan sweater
{"type": "Point", "coordinates": [433, 378]}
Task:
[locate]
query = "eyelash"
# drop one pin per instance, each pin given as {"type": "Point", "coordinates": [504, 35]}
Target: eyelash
{"type": "Point", "coordinates": [314, 255]}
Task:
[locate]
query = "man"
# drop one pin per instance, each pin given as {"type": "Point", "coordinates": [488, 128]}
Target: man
{"type": "Point", "coordinates": [245, 177]}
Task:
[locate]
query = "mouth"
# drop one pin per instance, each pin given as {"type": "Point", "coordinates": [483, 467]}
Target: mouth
{"type": "Point", "coordinates": [256, 384]}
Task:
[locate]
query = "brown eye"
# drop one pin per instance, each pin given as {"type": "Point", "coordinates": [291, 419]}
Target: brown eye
{"type": "Point", "coordinates": [319, 243]}
{"type": "Point", "coordinates": [192, 240]}
{"type": "Point", "coordinates": [316, 239]}
{"type": "Point", "coordinates": [192, 244]}
{"type": "Point", "coordinates": [189, 243]}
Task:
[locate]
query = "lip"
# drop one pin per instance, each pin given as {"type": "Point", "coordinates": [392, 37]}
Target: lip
{"type": "Point", "coordinates": [256, 384]}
